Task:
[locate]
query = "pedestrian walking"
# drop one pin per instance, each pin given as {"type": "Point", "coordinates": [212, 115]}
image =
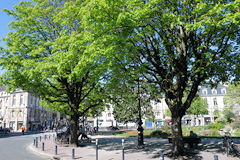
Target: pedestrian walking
{"type": "Point", "coordinates": [23, 129]}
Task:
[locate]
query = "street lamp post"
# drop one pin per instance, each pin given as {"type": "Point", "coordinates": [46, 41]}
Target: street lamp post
{"type": "Point", "coordinates": [84, 115]}
{"type": "Point", "coordinates": [140, 128]}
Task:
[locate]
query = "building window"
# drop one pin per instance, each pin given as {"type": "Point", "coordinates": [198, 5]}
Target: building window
{"type": "Point", "coordinates": [12, 114]}
{"type": "Point", "coordinates": [20, 114]}
{"type": "Point", "coordinates": [158, 114]}
{"type": "Point", "coordinates": [14, 100]}
{"type": "Point", "coordinates": [109, 114]}
{"type": "Point", "coordinates": [37, 100]}
{"type": "Point", "coordinates": [21, 100]}
{"type": "Point", "coordinates": [33, 100]}
{"type": "Point", "coordinates": [204, 92]}
{"type": "Point", "coordinates": [215, 102]}
{"type": "Point", "coordinates": [30, 99]}
{"type": "Point", "coordinates": [214, 91]}
{"type": "Point", "coordinates": [158, 106]}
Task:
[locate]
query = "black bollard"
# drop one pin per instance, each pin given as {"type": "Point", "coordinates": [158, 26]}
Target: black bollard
{"type": "Point", "coordinates": [42, 146]}
{"type": "Point", "coordinates": [73, 153]}
{"type": "Point", "coordinates": [45, 137]}
{"type": "Point", "coordinates": [215, 157]}
{"type": "Point", "coordinates": [56, 150]}
{"type": "Point", "coordinates": [36, 142]}
{"type": "Point", "coordinates": [122, 149]}
{"type": "Point", "coordinates": [40, 138]}
{"type": "Point", "coordinates": [96, 149]}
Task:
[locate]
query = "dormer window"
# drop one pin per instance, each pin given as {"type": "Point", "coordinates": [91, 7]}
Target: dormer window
{"type": "Point", "coordinates": [214, 91]}
{"type": "Point", "coordinates": [204, 91]}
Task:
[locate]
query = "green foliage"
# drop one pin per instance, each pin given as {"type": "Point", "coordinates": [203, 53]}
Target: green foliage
{"type": "Point", "coordinates": [236, 125]}
{"type": "Point", "coordinates": [221, 120]}
{"type": "Point", "coordinates": [210, 133]}
{"type": "Point", "coordinates": [49, 52]}
{"type": "Point", "coordinates": [126, 103]}
{"type": "Point", "coordinates": [216, 113]}
{"type": "Point", "coordinates": [216, 126]}
{"type": "Point", "coordinates": [168, 113]}
{"type": "Point", "coordinates": [228, 114]}
{"type": "Point", "coordinates": [233, 94]}
{"type": "Point", "coordinates": [198, 107]}
{"type": "Point", "coordinates": [237, 133]}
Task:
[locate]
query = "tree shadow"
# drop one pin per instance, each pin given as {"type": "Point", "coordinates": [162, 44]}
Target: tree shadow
{"type": "Point", "coordinates": [158, 146]}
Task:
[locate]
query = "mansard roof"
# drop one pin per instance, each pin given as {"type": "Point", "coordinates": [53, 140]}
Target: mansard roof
{"type": "Point", "coordinates": [2, 88]}
{"type": "Point", "coordinates": [209, 89]}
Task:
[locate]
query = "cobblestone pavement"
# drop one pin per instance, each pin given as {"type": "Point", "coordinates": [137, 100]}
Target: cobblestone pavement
{"type": "Point", "coordinates": [110, 148]}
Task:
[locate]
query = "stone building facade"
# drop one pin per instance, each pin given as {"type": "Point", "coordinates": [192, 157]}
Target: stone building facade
{"type": "Point", "coordinates": [215, 101]}
{"type": "Point", "coordinates": [21, 108]}
{"type": "Point", "coordinates": [214, 98]}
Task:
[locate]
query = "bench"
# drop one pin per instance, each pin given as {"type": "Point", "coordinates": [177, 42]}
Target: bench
{"type": "Point", "coordinates": [189, 140]}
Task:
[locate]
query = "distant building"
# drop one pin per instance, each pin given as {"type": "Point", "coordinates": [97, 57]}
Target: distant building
{"type": "Point", "coordinates": [213, 96]}
{"type": "Point", "coordinates": [215, 101]}
{"type": "Point", "coordinates": [22, 108]}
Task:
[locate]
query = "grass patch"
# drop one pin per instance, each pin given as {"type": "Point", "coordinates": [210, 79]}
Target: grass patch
{"type": "Point", "coordinates": [201, 131]}
{"type": "Point", "coordinates": [148, 133]}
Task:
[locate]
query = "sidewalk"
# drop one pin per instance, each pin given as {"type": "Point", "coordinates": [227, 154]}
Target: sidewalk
{"type": "Point", "coordinates": [110, 149]}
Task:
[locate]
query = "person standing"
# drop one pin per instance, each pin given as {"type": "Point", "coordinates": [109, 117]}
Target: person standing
{"type": "Point", "coordinates": [23, 129]}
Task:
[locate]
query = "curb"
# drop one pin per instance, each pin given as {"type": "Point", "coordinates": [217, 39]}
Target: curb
{"type": "Point", "coordinates": [31, 148]}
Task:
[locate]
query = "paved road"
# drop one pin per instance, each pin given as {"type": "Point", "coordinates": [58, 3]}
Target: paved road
{"type": "Point", "coordinates": [14, 147]}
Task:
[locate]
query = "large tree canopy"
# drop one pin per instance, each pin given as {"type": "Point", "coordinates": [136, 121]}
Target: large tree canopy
{"type": "Point", "coordinates": [176, 45]}
{"type": "Point", "coordinates": [48, 51]}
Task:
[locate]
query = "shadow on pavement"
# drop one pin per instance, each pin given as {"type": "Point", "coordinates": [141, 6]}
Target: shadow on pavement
{"type": "Point", "coordinates": [157, 146]}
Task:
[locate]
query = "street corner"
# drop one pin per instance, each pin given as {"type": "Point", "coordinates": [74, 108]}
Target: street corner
{"type": "Point", "coordinates": [38, 152]}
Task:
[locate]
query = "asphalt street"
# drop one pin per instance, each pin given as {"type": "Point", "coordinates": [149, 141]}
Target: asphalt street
{"type": "Point", "coordinates": [14, 147]}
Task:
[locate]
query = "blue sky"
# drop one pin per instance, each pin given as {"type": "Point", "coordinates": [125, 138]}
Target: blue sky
{"type": "Point", "coordinates": [5, 19]}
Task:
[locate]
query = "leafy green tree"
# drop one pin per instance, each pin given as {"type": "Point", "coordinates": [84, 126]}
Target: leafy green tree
{"type": "Point", "coordinates": [233, 94]}
{"type": "Point", "coordinates": [48, 52]}
{"type": "Point", "coordinates": [228, 114]}
{"type": "Point", "coordinates": [176, 45]}
{"type": "Point", "coordinates": [198, 107]}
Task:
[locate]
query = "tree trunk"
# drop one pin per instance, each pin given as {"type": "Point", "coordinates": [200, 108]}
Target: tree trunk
{"type": "Point", "coordinates": [177, 139]}
{"type": "Point", "coordinates": [74, 130]}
